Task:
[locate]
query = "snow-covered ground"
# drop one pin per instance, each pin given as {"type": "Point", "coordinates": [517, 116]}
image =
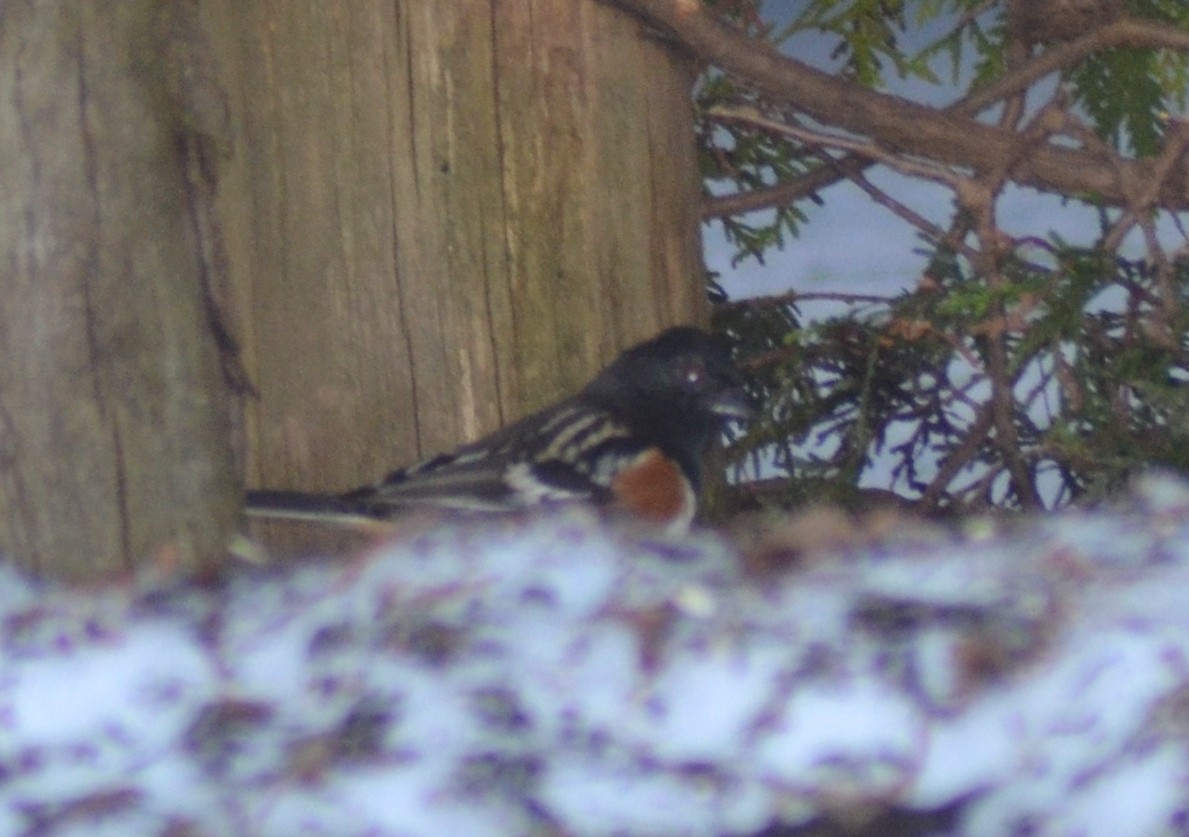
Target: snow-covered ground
{"type": "Point", "coordinates": [557, 675]}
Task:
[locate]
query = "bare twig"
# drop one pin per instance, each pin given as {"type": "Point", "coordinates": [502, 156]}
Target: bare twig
{"type": "Point", "coordinates": [787, 191]}
{"type": "Point", "coordinates": [905, 213]}
{"type": "Point", "coordinates": [1144, 195]}
{"type": "Point", "coordinates": [978, 198]}
{"type": "Point", "coordinates": [824, 139]}
{"type": "Point", "coordinates": [959, 457]}
{"type": "Point", "coordinates": [793, 297]}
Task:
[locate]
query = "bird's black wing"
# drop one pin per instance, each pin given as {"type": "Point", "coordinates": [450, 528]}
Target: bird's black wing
{"type": "Point", "coordinates": [551, 456]}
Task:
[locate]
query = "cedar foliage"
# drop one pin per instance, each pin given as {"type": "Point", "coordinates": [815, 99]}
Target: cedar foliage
{"type": "Point", "coordinates": [1016, 371]}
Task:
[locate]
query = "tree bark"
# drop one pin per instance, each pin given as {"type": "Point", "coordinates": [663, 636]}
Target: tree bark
{"type": "Point", "coordinates": [114, 414]}
{"type": "Point", "coordinates": [443, 215]}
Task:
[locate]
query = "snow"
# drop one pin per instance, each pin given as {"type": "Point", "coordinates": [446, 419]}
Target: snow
{"type": "Point", "coordinates": [562, 674]}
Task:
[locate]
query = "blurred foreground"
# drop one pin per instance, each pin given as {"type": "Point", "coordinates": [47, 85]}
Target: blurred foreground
{"type": "Point", "coordinates": [553, 675]}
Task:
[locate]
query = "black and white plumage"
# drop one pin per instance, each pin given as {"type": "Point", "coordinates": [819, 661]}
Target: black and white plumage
{"type": "Point", "coordinates": [632, 439]}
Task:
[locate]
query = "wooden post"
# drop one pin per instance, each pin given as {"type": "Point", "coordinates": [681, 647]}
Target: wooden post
{"type": "Point", "coordinates": [114, 413]}
{"type": "Point", "coordinates": [443, 215]}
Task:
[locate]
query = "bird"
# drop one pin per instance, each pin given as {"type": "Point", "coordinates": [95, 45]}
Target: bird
{"type": "Point", "coordinates": [631, 441]}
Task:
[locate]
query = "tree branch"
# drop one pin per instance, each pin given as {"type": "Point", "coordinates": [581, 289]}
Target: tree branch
{"type": "Point", "coordinates": [895, 123]}
{"type": "Point", "coordinates": [1012, 83]}
{"type": "Point", "coordinates": [910, 166]}
{"type": "Point", "coordinates": [786, 191]}
{"type": "Point", "coordinates": [1125, 32]}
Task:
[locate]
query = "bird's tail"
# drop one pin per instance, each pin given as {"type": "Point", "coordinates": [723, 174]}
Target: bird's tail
{"type": "Point", "coordinates": [298, 505]}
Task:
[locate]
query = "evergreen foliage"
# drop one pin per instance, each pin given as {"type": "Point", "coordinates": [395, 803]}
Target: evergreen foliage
{"type": "Point", "coordinates": [1015, 372]}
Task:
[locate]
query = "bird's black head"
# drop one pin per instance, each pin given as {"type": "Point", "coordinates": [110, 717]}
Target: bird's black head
{"type": "Point", "coordinates": [677, 389]}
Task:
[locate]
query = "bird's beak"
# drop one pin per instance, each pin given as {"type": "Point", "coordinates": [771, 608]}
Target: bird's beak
{"type": "Point", "coordinates": [733, 403]}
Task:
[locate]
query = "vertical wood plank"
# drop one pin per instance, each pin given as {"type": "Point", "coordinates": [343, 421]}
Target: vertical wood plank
{"type": "Point", "coordinates": [458, 211]}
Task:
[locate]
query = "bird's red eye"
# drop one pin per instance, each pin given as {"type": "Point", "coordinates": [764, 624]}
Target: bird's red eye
{"type": "Point", "coordinates": [692, 374]}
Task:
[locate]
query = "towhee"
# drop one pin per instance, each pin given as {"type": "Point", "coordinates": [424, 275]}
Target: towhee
{"type": "Point", "coordinates": [631, 441]}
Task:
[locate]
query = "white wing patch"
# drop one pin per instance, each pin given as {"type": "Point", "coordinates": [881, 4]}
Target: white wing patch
{"type": "Point", "coordinates": [529, 490]}
{"type": "Point", "coordinates": [583, 433]}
